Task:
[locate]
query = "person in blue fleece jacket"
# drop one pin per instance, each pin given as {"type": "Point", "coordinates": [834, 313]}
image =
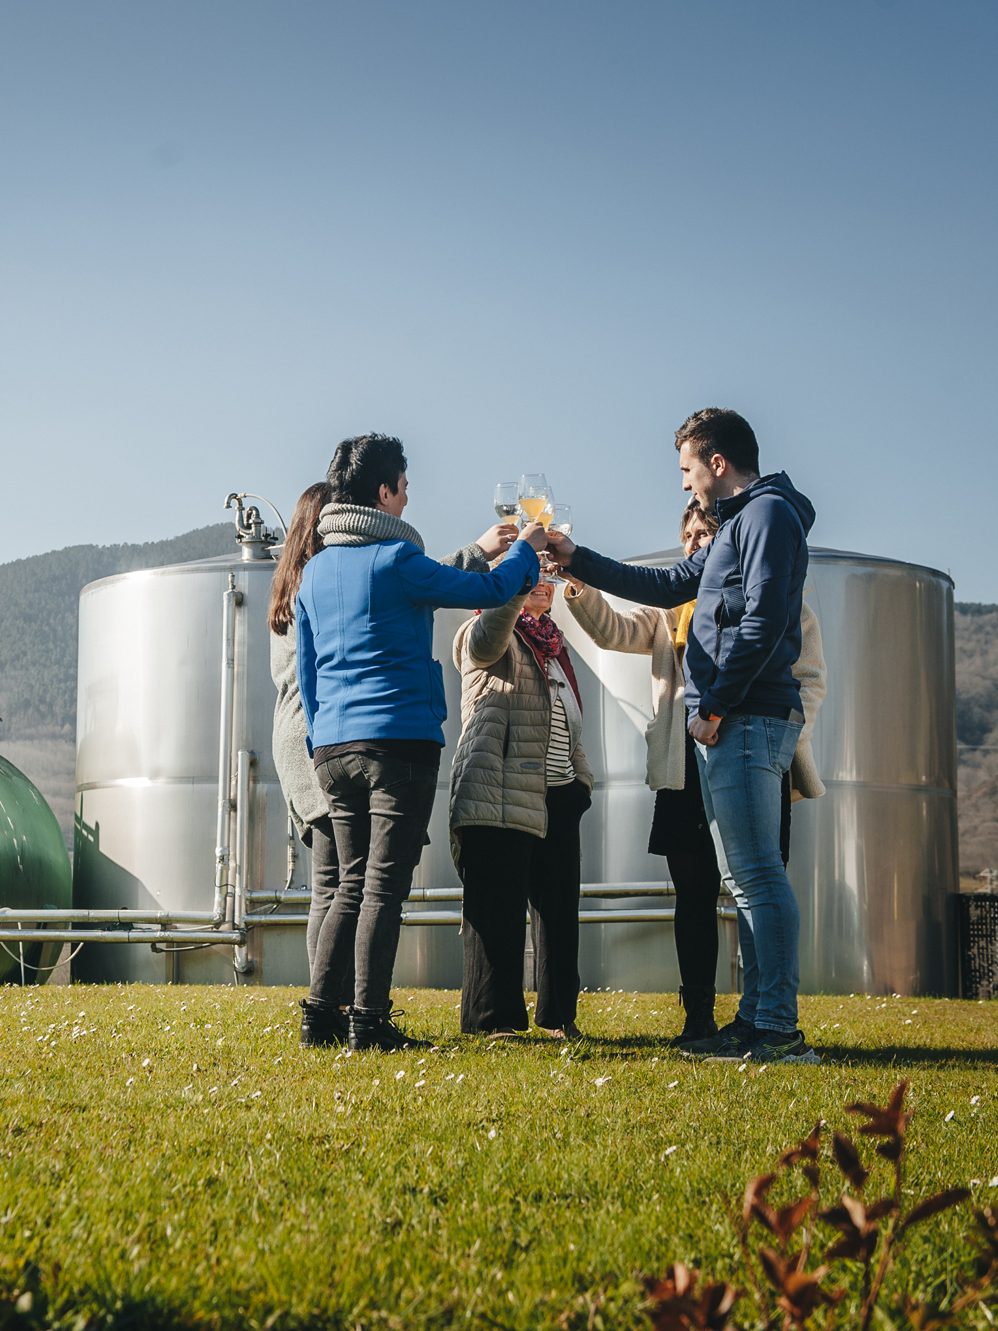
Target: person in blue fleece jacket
{"type": "Point", "coordinates": [373, 699]}
{"type": "Point", "coordinates": [742, 700]}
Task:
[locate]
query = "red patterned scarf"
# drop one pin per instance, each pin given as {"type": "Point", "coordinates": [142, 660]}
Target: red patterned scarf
{"type": "Point", "coordinates": [543, 634]}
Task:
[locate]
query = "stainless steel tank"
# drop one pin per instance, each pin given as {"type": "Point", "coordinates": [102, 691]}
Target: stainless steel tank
{"type": "Point", "coordinates": [875, 861]}
{"type": "Point", "coordinates": [147, 763]}
{"type": "Point", "coordinates": [872, 861]}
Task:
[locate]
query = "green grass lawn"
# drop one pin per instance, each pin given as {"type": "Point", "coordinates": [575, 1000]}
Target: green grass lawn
{"type": "Point", "coordinates": [173, 1158]}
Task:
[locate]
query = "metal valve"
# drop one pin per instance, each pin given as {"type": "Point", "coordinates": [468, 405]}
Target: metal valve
{"type": "Point", "coordinates": [255, 539]}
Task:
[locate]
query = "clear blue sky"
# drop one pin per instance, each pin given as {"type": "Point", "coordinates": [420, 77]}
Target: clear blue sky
{"type": "Point", "coordinates": [522, 236]}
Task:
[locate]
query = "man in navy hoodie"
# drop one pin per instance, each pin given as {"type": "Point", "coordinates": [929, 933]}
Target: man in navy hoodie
{"type": "Point", "coordinates": [742, 698]}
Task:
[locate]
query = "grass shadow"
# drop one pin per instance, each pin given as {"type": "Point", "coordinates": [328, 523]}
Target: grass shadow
{"type": "Point", "coordinates": [895, 1055]}
{"type": "Point", "coordinates": [628, 1048]}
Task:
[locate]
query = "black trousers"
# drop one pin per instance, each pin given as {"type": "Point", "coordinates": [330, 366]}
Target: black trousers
{"type": "Point", "coordinates": [504, 871]}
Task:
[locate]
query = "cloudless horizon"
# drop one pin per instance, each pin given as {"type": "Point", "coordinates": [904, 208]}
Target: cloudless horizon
{"type": "Point", "coordinates": [521, 237]}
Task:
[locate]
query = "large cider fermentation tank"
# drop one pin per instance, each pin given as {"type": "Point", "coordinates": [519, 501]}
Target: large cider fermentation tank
{"type": "Point", "coordinates": [151, 666]}
{"type": "Point", "coordinates": [872, 862]}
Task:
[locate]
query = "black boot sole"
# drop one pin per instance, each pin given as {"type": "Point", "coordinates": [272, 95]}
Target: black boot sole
{"type": "Point", "coordinates": [311, 1041]}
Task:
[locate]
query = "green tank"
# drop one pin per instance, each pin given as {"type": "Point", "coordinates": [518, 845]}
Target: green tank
{"type": "Point", "coordinates": [34, 871]}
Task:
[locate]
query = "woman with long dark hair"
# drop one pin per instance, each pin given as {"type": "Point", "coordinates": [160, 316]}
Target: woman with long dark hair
{"type": "Point", "coordinates": [306, 802]}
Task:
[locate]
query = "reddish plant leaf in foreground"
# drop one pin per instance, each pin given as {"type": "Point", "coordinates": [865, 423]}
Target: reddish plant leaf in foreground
{"type": "Point", "coordinates": [676, 1306]}
{"type": "Point", "coordinates": [848, 1161]}
{"type": "Point", "coordinates": [800, 1292]}
{"type": "Point", "coordinates": [891, 1121]}
{"type": "Point", "coordinates": [942, 1201]}
{"type": "Point", "coordinates": [755, 1193]}
{"type": "Point", "coordinates": [807, 1149]}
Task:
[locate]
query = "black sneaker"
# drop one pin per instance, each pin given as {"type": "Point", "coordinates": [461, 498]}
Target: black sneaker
{"type": "Point", "coordinates": [377, 1030]}
{"type": "Point", "coordinates": [782, 1047]}
{"type": "Point", "coordinates": [732, 1042]}
{"type": "Point", "coordinates": [321, 1026]}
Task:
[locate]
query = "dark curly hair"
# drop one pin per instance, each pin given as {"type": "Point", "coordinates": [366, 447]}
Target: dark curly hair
{"type": "Point", "coordinates": [718, 430]}
{"type": "Point", "coordinates": [361, 466]}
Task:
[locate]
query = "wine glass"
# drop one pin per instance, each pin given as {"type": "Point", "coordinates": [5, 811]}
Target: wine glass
{"type": "Point", "coordinates": [535, 496]}
{"type": "Point", "coordinates": [507, 501]}
{"type": "Point", "coordinates": [561, 520]}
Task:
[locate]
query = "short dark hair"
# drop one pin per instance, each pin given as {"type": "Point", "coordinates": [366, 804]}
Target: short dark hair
{"type": "Point", "coordinates": [361, 466]}
{"type": "Point", "coordinates": [718, 430]}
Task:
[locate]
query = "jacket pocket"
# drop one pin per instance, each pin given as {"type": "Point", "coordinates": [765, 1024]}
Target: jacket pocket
{"type": "Point", "coordinates": [734, 605]}
{"type": "Point", "coordinates": [438, 698]}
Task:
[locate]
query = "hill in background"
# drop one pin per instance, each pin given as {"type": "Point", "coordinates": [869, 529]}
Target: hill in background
{"type": "Point", "coordinates": [39, 613]}
{"type": "Point", "coordinates": [39, 600]}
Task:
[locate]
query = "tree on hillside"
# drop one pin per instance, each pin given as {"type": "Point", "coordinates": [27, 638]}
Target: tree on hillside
{"type": "Point", "coordinates": [40, 608]}
{"type": "Point", "coordinates": [977, 734]}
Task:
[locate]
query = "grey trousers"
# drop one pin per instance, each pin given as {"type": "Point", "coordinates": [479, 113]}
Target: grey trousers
{"type": "Point", "coordinates": [325, 881]}
{"type": "Point", "coordinates": [379, 808]}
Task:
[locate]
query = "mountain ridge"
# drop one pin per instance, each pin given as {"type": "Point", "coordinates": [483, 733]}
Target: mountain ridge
{"type": "Point", "coordinates": [39, 615]}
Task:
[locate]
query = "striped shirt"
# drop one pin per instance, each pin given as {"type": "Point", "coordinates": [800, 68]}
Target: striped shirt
{"type": "Point", "coordinates": [560, 771]}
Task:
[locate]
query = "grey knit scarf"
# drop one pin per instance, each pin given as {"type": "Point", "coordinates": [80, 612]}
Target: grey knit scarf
{"type": "Point", "coordinates": [356, 524]}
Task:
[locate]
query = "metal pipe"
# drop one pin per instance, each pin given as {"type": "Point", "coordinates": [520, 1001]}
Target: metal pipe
{"type": "Point", "coordinates": [244, 764]}
{"type": "Point", "coordinates": [649, 916]}
{"type": "Point", "coordinates": [301, 897]}
{"type": "Point", "coordinates": [231, 598]}
{"type": "Point", "coordinates": [163, 917]}
{"type": "Point", "coordinates": [128, 935]}
{"type": "Point", "coordinates": [642, 889]}
{"type": "Point", "coordinates": [131, 934]}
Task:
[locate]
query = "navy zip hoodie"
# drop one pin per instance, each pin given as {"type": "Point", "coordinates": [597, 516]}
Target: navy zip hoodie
{"type": "Point", "coordinates": [748, 583]}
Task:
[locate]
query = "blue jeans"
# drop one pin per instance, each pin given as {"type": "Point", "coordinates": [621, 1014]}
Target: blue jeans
{"type": "Point", "coordinates": [741, 777]}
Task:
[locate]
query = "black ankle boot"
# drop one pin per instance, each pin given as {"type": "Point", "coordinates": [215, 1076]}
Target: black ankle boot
{"type": "Point", "coordinates": [377, 1030]}
{"type": "Point", "coordinates": [322, 1026]}
{"type": "Point", "coordinates": [699, 1023]}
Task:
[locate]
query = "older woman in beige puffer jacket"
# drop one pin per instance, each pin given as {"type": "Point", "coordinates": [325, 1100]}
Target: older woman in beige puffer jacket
{"type": "Point", "coordinates": [519, 786]}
